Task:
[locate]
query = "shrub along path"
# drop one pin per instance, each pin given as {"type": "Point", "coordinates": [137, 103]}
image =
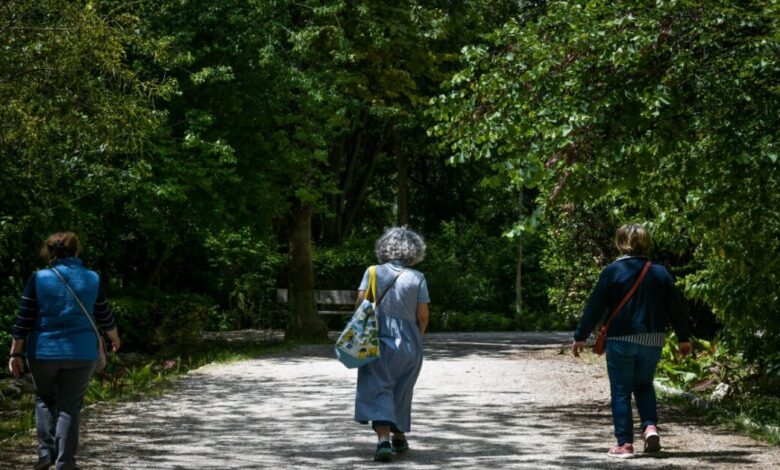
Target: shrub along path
{"type": "Point", "coordinates": [490, 400]}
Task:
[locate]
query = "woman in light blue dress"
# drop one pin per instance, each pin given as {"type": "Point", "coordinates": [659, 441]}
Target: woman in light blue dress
{"type": "Point", "coordinates": [384, 386]}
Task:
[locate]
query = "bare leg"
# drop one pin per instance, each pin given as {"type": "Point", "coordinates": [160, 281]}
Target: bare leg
{"type": "Point", "coordinates": [384, 451]}
{"type": "Point", "coordinates": [382, 433]}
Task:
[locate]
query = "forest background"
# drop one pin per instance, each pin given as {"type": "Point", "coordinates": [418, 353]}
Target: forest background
{"type": "Point", "coordinates": [208, 153]}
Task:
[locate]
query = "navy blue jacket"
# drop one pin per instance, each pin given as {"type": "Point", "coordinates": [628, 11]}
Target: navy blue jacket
{"type": "Point", "coordinates": [655, 304]}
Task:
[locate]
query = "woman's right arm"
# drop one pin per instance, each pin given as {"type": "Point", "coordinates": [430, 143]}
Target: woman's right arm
{"type": "Point", "coordinates": [361, 293]}
{"type": "Point", "coordinates": [360, 296]}
{"type": "Point", "coordinates": [16, 361]}
{"type": "Point", "coordinates": [25, 320]}
{"type": "Point", "coordinates": [594, 310]}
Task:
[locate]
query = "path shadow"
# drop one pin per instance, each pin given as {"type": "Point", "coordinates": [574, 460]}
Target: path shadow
{"type": "Point", "coordinates": [294, 410]}
{"type": "Point", "coordinates": [441, 346]}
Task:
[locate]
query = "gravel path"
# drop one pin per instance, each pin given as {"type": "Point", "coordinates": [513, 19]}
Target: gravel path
{"type": "Point", "coordinates": [489, 400]}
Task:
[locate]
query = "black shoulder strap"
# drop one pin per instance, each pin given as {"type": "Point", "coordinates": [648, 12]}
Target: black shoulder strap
{"type": "Point", "coordinates": [78, 301]}
{"type": "Point", "coordinates": [389, 287]}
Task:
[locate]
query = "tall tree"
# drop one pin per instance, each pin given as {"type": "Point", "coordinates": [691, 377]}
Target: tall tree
{"type": "Point", "coordinates": [665, 111]}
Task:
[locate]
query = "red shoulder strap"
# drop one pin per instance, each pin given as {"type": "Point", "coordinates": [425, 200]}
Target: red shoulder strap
{"type": "Point", "coordinates": [628, 296]}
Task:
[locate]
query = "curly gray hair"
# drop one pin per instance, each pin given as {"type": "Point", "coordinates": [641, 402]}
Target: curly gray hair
{"type": "Point", "coordinates": [402, 244]}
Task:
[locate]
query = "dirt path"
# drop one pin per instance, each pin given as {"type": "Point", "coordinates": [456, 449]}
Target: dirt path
{"type": "Point", "coordinates": [494, 400]}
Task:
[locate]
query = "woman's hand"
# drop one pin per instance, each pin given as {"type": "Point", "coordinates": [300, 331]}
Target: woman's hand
{"type": "Point", "coordinates": [113, 336]}
{"type": "Point", "coordinates": [685, 348]}
{"type": "Point", "coordinates": [16, 366]}
{"type": "Point", "coordinates": [16, 362]}
{"type": "Point", "coordinates": [577, 347]}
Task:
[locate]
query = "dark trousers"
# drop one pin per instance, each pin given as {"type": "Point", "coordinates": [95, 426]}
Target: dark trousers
{"type": "Point", "coordinates": [631, 368]}
{"type": "Point", "coordinates": [59, 394]}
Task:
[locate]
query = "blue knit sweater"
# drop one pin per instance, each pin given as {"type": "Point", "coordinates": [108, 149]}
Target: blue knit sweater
{"type": "Point", "coordinates": [51, 320]}
{"type": "Point", "coordinates": [655, 304]}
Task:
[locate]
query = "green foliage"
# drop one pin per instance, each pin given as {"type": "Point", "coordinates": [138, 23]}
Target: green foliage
{"type": "Point", "coordinates": [468, 269]}
{"type": "Point", "coordinates": [711, 364]}
{"type": "Point", "coordinates": [10, 305]}
{"type": "Point", "coordinates": [183, 321]}
{"type": "Point", "coordinates": [153, 321]}
{"type": "Point", "coordinates": [18, 415]}
{"type": "Point", "coordinates": [136, 322]}
{"type": "Point", "coordinates": [536, 313]}
{"type": "Point", "coordinates": [245, 268]}
{"type": "Point", "coordinates": [665, 112]}
{"type": "Point", "coordinates": [471, 321]}
{"type": "Point", "coordinates": [178, 148]}
{"type": "Point", "coordinates": [342, 267]}
{"type": "Point", "coordinates": [717, 362]}
{"type": "Point", "coordinates": [751, 404]}
{"type": "Point", "coordinates": [579, 246]}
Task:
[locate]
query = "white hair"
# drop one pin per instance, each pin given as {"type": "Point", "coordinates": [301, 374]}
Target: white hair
{"type": "Point", "coordinates": [402, 244]}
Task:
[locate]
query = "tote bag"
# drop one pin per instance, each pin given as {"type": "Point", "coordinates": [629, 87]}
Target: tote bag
{"type": "Point", "coordinates": [358, 344]}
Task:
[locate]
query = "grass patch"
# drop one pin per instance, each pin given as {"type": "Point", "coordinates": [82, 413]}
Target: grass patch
{"type": "Point", "coordinates": [755, 416]}
{"type": "Point", "coordinates": [16, 418]}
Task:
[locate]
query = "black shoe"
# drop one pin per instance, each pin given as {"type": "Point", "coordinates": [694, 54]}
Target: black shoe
{"type": "Point", "coordinates": [43, 464]}
{"type": "Point", "coordinates": [384, 452]}
{"type": "Point", "coordinates": [400, 446]}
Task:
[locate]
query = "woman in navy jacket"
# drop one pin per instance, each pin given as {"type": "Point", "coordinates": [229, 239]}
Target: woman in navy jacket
{"type": "Point", "coordinates": [636, 336]}
{"type": "Point", "coordinates": [60, 345]}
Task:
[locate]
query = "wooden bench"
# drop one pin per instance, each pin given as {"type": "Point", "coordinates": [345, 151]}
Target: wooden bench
{"type": "Point", "coordinates": [329, 302]}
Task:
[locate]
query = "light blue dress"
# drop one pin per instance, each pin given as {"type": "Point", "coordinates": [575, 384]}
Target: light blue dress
{"type": "Point", "coordinates": [384, 386]}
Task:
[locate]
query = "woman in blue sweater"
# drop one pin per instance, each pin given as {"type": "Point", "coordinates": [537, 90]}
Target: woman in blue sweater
{"type": "Point", "coordinates": [60, 344]}
{"type": "Point", "coordinates": [636, 335]}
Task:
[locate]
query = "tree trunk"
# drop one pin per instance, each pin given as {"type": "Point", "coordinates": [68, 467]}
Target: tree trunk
{"type": "Point", "coordinates": [332, 222]}
{"type": "Point", "coordinates": [402, 197]}
{"type": "Point", "coordinates": [352, 212]}
{"type": "Point", "coordinates": [519, 275]}
{"type": "Point", "coordinates": [304, 322]}
{"type": "Point", "coordinates": [156, 277]}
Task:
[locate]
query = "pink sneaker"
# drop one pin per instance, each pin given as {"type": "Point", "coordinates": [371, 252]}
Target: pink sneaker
{"type": "Point", "coordinates": [652, 439]}
{"type": "Point", "coordinates": [626, 451]}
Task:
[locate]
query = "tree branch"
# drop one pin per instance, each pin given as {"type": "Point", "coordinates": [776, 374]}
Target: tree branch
{"type": "Point", "coordinates": [18, 74]}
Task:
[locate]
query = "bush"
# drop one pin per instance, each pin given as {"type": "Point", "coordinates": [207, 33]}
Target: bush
{"type": "Point", "coordinates": [152, 321]}
{"type": "Point", "coordinates": [342, 267]}
{"type": "Point", "coordinates": [715, 362]}
{"type": "Point", "coordinates": [474, 321]}
{"type": "Point", "coordinates": [578, 247]}
{"type": "Point", "coordinates": [244, 277]}
{"type": "Point", "coordinates": [9, 307]}
{"type": "Point", "coordinates": [183, 320]}
{"type": "Point", "coordinates": [136, 323]}
{"type": "Point", "coordinates": [468, 269]}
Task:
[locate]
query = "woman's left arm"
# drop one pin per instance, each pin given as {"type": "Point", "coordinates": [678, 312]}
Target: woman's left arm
{"type": "Point", "coordinates": [423, 314]}
{"type": "Point", "coordinates": [105, 318]}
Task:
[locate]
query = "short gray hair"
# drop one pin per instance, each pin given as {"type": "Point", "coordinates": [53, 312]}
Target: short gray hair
{"type": "Point", "coordinates": [402, 244]}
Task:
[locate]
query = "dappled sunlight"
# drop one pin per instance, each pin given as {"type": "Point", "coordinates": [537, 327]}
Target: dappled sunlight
{"type": "Point", "coordinates": [482, 401]}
